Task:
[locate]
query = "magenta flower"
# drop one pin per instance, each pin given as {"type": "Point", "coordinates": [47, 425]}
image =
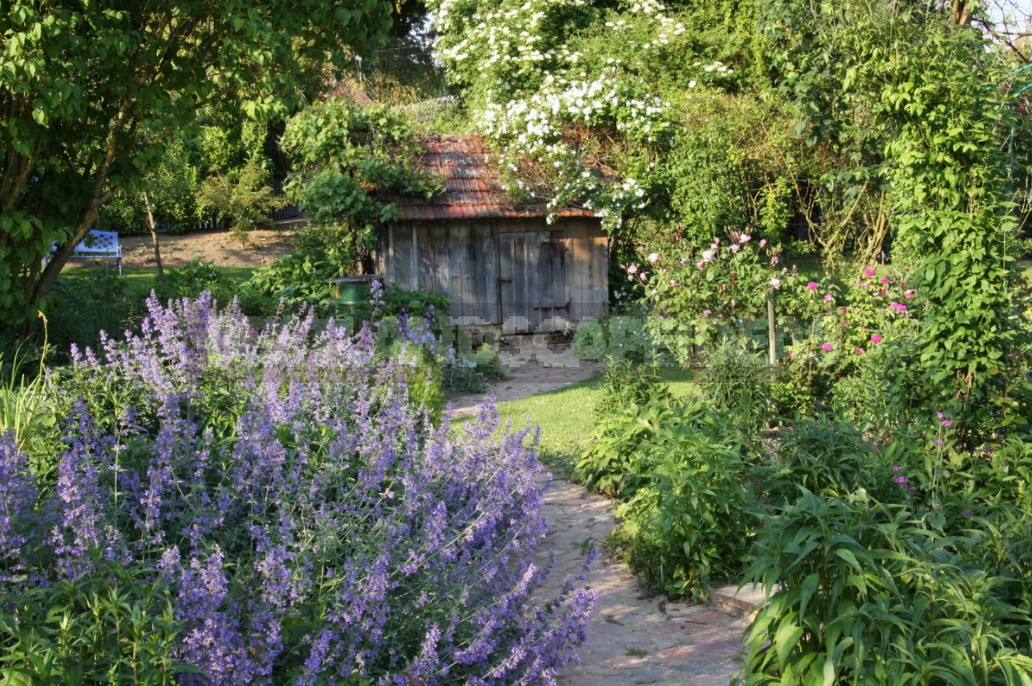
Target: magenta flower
{"type": "Point", "coordinates": [812, 286]}
{"type": "Point", "coordinates": [869, 273]}
{"type": "Point", "coordinates": [909, 295]}
{"type": "Point", "coordinates": [884, 281]}
{"type": "Point", "coordinates": [827, 347]}
{"type": "Point", "coordinates": [829, 297]}
{"type": "Point", "coordinates": [876, 339]}
{"type": "Point", "coordinates": [897, 468]}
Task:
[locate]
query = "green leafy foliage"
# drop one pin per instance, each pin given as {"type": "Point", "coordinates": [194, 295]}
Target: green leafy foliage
{"type": "Point", "coordinates": [91, 97]}
{"type": "Point", "coordinates": [868, 593]}
{"type": "Point", "coordinates": [737, 384]}
{"type": "Point", "coordinates": [114, 624]}
{"type": "Point", "coordinates": [470, 372]}
{"type": "Point", "coordinates": [346, 160]}
{"type": "Point", "coordinates": [687, 519]}
{"type": "Point", "coordinates": [193, 279]}
{"type": "Point", "coordinates": [626, 385]}
{"type": "Point", "coordinates": [242, 196]}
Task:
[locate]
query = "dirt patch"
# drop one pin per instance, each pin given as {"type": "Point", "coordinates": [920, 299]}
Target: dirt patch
{"type": "Point", "coordinates": [221, 248]}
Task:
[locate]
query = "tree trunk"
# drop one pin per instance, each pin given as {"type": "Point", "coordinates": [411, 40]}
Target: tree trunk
{"type": "Point", "coordinates": [89, 214]}
{"type": "Point", "coordinates": [154, 237]}
{"type": "Point", "coordinates": [960, 12]}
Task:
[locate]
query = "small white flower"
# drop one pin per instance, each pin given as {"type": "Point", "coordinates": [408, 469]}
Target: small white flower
{"type": "Point", "coordinates": [632, 269]}
{"type": "Point", "coordinates": [775, 282]}
{"type": "Point", "coordinates": [707, 255]}
{"type": "Point", "coordinates": [653, 256]}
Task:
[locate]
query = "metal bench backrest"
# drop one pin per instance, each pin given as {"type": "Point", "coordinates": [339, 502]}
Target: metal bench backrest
{"type": "Point", "coordinates": [99, 244]}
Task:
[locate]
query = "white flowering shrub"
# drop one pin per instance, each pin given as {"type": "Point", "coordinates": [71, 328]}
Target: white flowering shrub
{"type": "Point", "coordinates": [566, 88]}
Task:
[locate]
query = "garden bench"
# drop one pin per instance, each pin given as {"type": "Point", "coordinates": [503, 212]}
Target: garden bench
{"type": "Point", "coordinates": [97, 245]}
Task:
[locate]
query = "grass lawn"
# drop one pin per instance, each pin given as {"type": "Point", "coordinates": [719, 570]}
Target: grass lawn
{"type": "Point", "coordinates": [141, 280]}
{"type": "Point", "coordinates": [566, 417]}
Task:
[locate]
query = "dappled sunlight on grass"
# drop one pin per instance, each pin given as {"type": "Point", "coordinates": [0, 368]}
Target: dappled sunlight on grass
{"type": "Point", "coordinates": [566, 416]}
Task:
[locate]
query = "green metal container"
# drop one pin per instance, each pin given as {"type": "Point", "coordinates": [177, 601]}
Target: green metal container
{"type": "Point", "coordinates": [354, 290]}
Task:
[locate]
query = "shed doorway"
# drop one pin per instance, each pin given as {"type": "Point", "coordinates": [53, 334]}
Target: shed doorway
{"type": "Point", "coordinates": [532, 282]}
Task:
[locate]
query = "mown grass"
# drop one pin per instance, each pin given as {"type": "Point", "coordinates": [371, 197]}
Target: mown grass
{"type": "Point", "coordinates": [566, 417]}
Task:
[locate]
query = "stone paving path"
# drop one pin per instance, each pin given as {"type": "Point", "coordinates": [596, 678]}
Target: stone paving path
{"type": "Point", "coordinates": [632, 639]}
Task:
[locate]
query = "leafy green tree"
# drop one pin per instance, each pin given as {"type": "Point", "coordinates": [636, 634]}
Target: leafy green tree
{"type": "Point", "coordinates": [90, 96]}
{"type": "Point", "coordinates": [348, 160]}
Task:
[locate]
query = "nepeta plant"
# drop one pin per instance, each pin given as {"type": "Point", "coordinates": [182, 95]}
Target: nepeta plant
{"type": "Point", "coordinates": [308, 520]}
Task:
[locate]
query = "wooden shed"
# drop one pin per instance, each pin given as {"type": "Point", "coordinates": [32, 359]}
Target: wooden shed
{"type": "Point", "coordinates": [501, 264]}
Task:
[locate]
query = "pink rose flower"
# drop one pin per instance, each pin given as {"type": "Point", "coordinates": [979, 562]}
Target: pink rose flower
{"type": "Point", "coordinates": [859, 351]}
{"type": "Point", "coordinates": [775, 282]}
{"type": "Point", "coordinates": [829, 297]}
{"type": "Point", "coordinates": [763, 242]}
{"type": "Point", "coordinates": [876, 339]}
{"type": "Point", "coordinates": [827, 347]}
{"type": "Point", "coordinates": [812, 286]}
{"type": "Point", "coordinates": [869, 272]}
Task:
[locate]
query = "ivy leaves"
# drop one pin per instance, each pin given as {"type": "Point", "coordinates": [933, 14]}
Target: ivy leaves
{"type": "Point", "coordinates": [346, 159]}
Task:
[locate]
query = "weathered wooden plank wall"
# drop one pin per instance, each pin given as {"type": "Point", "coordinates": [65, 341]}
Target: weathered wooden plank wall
{"type": "Point", "coordinates": [524, 274]}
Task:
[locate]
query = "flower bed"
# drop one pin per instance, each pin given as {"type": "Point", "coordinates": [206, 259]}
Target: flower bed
{"type": "Point", "coordinates": [272, 508]}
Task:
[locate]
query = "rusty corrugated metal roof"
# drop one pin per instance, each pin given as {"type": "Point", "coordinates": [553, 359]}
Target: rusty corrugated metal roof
{"type": "Point", "coordinates": [473, 188]}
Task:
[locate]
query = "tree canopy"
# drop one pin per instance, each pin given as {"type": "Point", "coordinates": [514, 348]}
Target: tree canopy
{"type": "Point", "coordinates": [91, 91]}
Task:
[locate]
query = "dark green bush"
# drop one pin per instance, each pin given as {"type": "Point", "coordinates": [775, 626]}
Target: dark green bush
{"type": "Point", "coordinates": [691, 521]}
{"type": "Point", "coordinates": [688, 517]}
{"type": "Point", "coordinates": [192, 280]}
{"type": "Point", "coordinates": [108, 626]}
{"type": "Point", "coordinates": [872, 594]}
{"type": "Point", "coordinates": [470, 372]}
{"type": "Point", "coordinates": [738, 383]}
{"type": "Point", "coordinates": [626, 384]}
{"type": "Point", "coordinates": [87, 302]}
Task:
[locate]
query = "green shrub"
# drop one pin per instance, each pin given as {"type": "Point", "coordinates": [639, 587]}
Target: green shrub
{"type": "Point", "coordinates": [869, 593]}
{"type": "Point", "coordinates": [193, 279]}
{"type": "Point", "coordinates": [87, 302]}
{"type": "Point", "coordinates": [691, 521]}
{"type": "Point", "coordinates": [615, 337]}
{"type": "Point", "coordinates": [610, 462]}
{"type": "Point", "coordinates": [738, 384]}
{"type": "Point", "coordinates": [470, 372]}
{"type": "Point", "coordinates": [687, 520]}
{"type": "Point", "coordinates": [113, 625]}
{"type": "Point", "coordinates": [824, 456]}
{"type": "Point", "coordinates": [626, 384]}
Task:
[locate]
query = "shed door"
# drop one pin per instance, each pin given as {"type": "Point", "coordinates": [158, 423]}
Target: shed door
{"type": "Point", "coordinates": [532, 279]}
